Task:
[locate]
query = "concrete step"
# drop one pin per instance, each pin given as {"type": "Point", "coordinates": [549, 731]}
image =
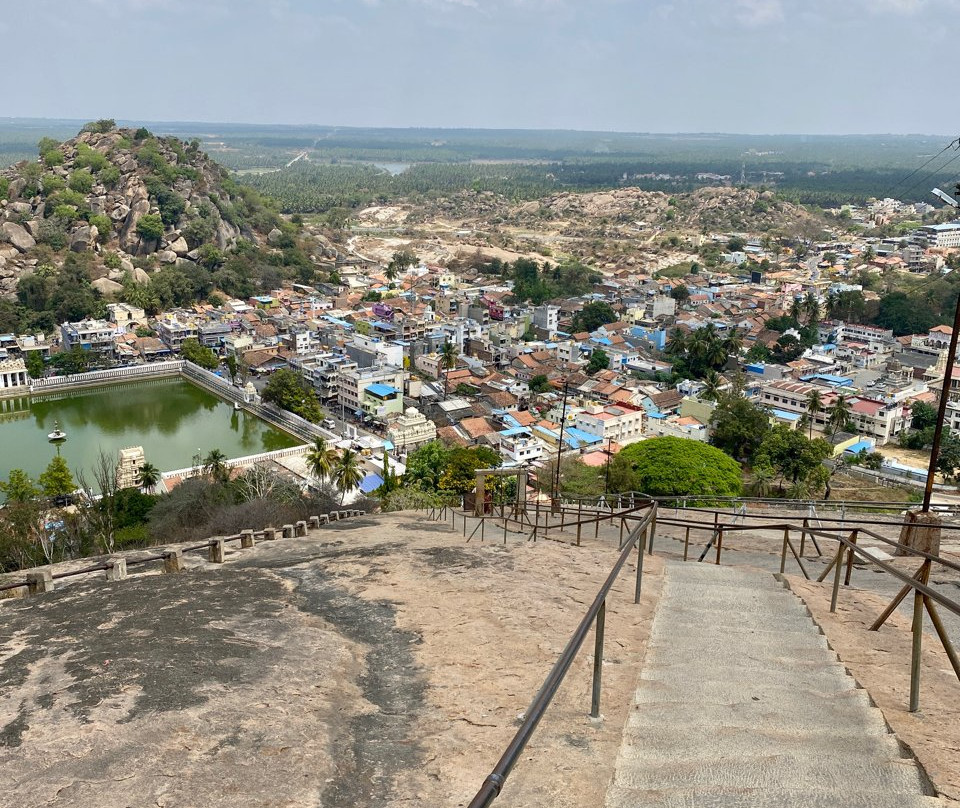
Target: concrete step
{"type": "Point", "coordinates": [723, 691]}
{"type": "Point", "coordinates": [704, 719]}
{"type": "Point", "coordinates": [666, 745]}
{"type": "Point", "coordinates": [708, 640]}
{"type": "Point", "coordinates": [814, 677]}
{"type": "Point", "coordinates": [820, 773]}
{"type": "Point", "coordinates": [620, 797]}
{"type": "Point", "coordinates": [793, 620]}
{"type": "Point", "coordinates": [709, 624]}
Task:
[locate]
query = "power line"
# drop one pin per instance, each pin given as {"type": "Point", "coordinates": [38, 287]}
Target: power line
{"type": "Point", "coordinates": [933, 174]}
{"type": "Point", "coordinates": [953, 144]}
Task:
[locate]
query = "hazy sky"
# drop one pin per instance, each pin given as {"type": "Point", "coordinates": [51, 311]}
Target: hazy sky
{"type": "Point", "coordinates": [757, 66]}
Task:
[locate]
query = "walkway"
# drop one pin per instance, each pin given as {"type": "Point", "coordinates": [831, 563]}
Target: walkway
{"type": "Point", "coordinates": [741, 703]}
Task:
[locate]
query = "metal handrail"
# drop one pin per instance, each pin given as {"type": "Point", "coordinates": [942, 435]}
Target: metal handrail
{"type": "Point", "coordinates": [925, 596]}
{"type": "Point", "coordinates": [495, 781]}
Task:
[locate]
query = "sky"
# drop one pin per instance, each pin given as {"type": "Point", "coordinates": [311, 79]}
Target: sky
{"type": "Point", "coordinates": [743, 66]}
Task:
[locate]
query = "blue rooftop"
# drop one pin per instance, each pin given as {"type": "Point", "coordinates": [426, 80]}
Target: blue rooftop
{"type": "Point", "coordinates": [371, 482]}
{"type": "Point", "coordinates": [382, 390]}
{"type": "Point", "coordinates": [783, 415]}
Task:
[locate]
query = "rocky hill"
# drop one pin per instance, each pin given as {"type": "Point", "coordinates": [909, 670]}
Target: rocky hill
{"type": "Point", "coordinates": [132, 201]}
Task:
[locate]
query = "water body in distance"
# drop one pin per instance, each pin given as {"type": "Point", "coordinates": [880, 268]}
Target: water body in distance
{"type": "Point", "coordinates": [170, 418]}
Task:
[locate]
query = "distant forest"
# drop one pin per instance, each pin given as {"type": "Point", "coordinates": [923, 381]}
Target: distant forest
{"type": "Point", "coordinates": [337, 165]}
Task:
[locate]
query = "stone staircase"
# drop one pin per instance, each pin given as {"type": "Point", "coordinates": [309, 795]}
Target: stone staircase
{"type": "Point", "coordinates": [742, 703]}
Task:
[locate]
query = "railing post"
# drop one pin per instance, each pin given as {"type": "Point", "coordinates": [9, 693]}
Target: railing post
{"type": "Point", "coordinates": [853, 539]}
{"type": "Point", "coordinates": [636, 591]}
{"type": "Point", "coordinates": [783, 552]}
{"type": "Point", "coordinates": [652, 533]}
{"type": "Point", "coordinates": [803, 536]}
{"type": "Point", "coordinates": [622, 523]}
{"type": "Point", "coordinates": [917, 645]}
{"type": "Point", "coordinates": [838, 571]}
{"type": "Point", "coordinates": [719, 544]}
{"type": "Point", "coordinates": [598, 659]}
{"type": "Point", "coordinates": [686, 542]}
{"type": "Point", "coordinates": [579, 519]}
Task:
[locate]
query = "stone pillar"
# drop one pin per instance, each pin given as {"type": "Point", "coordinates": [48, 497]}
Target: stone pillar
{"type": "Point", "coordinates": [215, 552]}
{"type": "Point", "coordinates": [301, 528]}
{"type": "Point", "coordinates": [173, 560]}
{"type": "Point", "coordinates": [288, 531]}
{"type": "Point", "coordinates": [323, 519]}
{"type": "Point", "coordinates": [922, 532]}
{"type": "Point", "coordinates": [481, 494]}
{"type": "Point", "coordinates": [40, 581]}
{"type": "Point", "coordinates": [333, 516]}
{"type": "Point", "coordinates": [246, 539]}
{"type": "Point", "coordinates": [117, 568]}
{"type": "Point", "coordinates": [269, 534]}
{"type": "Point", "coordinates": [314, 522]}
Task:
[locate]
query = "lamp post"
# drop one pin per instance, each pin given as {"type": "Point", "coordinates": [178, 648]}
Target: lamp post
{"type": "Point", "coordinates": [945, 390]}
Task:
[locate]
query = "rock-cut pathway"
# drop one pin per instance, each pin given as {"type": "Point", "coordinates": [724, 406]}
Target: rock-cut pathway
{"type": "Point", "coordinates": [742, 703]}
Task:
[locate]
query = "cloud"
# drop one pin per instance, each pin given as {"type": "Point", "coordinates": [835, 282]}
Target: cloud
{"type": "Point", "coordinates": [757, 13]}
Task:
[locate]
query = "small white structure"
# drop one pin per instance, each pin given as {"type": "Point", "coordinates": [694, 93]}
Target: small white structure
{"type": "Point", "coordinates": [128, 467]}
{"type": "Point", "coordinates": [411, 429]}
{"type": "Point", "coordinates": [13, 376]}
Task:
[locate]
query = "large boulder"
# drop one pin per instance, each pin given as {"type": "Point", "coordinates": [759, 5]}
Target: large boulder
{"type": "Point", "coordinates": [83, 238]}
{"type": "Point", "coordinates": [17, 236]}
{"type": "Point", "coordinates": [140, 275]}
{"type": "Point", "coordinates": [274, 236]}
{"type": "Point", "coordinates": [167, 257]}
{"type": "Point", "coordinates": [20, 208]}
{"type": "Point", "coordinates": [179, 246]}
{"type": "Point", "coordinates": [107, 287]}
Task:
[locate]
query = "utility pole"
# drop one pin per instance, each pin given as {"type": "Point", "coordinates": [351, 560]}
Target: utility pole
{"type": "Point", "coordinates": [945, 390]}
{"type": "Point", "coordinates": [556, 474]}
{"type": "Point", "coordinates": [606, 483]}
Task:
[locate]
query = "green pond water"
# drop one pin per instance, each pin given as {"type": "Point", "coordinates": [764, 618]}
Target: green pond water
{"type": "Point", "coordinates": [170, 418]}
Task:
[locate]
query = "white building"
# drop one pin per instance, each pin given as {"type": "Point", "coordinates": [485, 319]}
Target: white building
{"type": "Point", "coordinates": [619, 423]}
{"type": "Point", "coordinates": [519, 446]}
{"type": "Point", "coordinates": [940, 235]}
{"type": "Point", "coordinates": [13, 377]}
{"type": "Point", "coordinates": [354, 381]}
{"type": "Point", "coordinates": [410, 430]}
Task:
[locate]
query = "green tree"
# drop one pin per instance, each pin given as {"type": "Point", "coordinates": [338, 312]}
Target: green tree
{"type": "Point", "coordinates": [680, 293]}
{"type": "Point", "coordinates": [592, 316]}
{"type": "Point", "coordinates": [922, 415]}
{"type": "Point", "coordinates": [738, 426]}
{"type": "Point", "coordinates": [459, 476]}
{"type": "Point", "coordinates": [321, 459]}
{"type": "Point", "coordinates": [903, 315]}
{"type": "Point", "coordinates": [215, 466]}
{"type": "Point", "coordinates": [347, 473]}
{"type": "Point", "coordinates": [814, 407]}
{"type": "Point", "coordinates": [193, 351]}
{"type": "Point", "coordinates": [149, 476]}
{"type": "Point", "coordinates": [675, 467]}
{"type": "Point", "coordinates": [150, 227]}
{"type": "Point", "coordinates": [839, 415]}
{"type": "Point", "coordinates": [425, 465]}
{"type": "Point", "coordinates": [290, 391]}
{"type": "Point", "coordinates": [794, 457]}
{"type": "Point", "coordinates": [599, 360]}
{"type": "Point", "coordinates": [948, 461]}
{"type": "Point", "coordinates": [19, 487]}
{"type": "Point", "coordinates": [540, 384]}
{"type": "Point", "coordinates": [56, 480]}
{"type": "Point", "coordinates": [34, 363]}
{"type": "Point", "coordinates": [448, 361]}
{"type": "Point", "coordinates": [81, 182]}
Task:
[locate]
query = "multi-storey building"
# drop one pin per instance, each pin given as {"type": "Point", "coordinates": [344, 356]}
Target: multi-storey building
{"type": "Point", "coordinates": [621, 423]}
{"type": "Point", "coordinates": [175, 332]}
{"type": "Point", "coordinates": [354, 381]}
{"type": "Point", "coordinates": [91, 335]}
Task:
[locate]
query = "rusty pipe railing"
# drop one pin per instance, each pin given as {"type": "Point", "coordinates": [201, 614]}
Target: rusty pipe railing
{"type": "Point", "coordinates": [495, 781]}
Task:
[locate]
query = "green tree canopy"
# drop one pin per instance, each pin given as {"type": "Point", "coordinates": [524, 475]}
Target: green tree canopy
{"type": "Point", "coordinates": [793, 456]}
{"type": "Point", "coordinates": [599, 360]}
{"type": "Point", "coordinates": [193, 351]}
{"type": "Point", "coordinates": [56, 480]}
{"type": "Point", "coordinates": [675, 467]}
{"type": "Point", "coordinates": [739, 426]}
{"type": "Point", "coordinates": [290, 391]}
{"type": "Point", "coordinates": [593, 315]}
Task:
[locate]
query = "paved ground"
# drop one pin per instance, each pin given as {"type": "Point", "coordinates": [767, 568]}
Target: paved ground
{"type": "Point", "coordinates": [380, 661]}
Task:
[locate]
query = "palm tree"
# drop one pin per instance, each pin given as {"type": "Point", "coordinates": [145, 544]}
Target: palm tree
{"type": "Point", "coordinates": [347, 473]}
{"type": "Point", "coordinates": [716, 355]}
{"type": "Point", "coordinates": [814, 407]}
{"type": "Point", "coordinates": [812, 306]}
{"type": "Point", "coordinates": [763, 477]}
{"type": "Point", "coordinates": [149, 476]}
{"type": "Point", "coordinates": [839, 415]}
{"type": "Point", "coordinates": [733, 342]}
{"type": "Point", "coordinates": [711, 386]}
{"type": "Point", "coordinates": [215, 466]}
{"type": "Point", "coordinates": [321, 459]}
{"type": "Point", "coordinates": [448, 361]}
{"type": "Point", "coordinates": [678, 342]}
{"type": "Point", "coordinates": [796, 309]}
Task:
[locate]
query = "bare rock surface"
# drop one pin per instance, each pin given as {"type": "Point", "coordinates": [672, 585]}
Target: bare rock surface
{"type": "Point", "coordinates": [380, 661]}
